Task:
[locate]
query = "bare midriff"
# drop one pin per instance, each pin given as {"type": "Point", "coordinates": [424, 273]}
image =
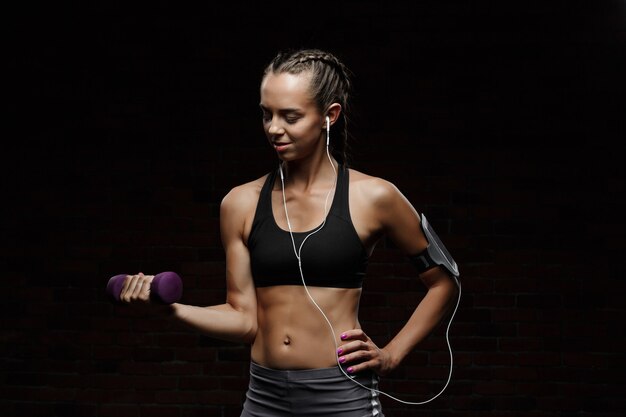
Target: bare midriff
{"type": "Point", "coordinates": [293, 334]}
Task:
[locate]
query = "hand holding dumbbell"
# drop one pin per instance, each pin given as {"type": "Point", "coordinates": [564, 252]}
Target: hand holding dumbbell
{"type": "Point", "coordinates": [165, 288]}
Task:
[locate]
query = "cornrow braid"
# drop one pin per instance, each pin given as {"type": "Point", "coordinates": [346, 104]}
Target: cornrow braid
{"type": "Point", "coordinates": [330, 83]}
{"type": "Point", "coordinates": [326, 58]}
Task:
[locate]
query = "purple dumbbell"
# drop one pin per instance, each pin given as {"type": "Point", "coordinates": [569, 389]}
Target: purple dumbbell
{"type": "Point", "coordinates": [165, 288]}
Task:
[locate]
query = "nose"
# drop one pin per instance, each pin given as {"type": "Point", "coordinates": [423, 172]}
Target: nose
{"type": "Point", "coordinates": [274, 128]}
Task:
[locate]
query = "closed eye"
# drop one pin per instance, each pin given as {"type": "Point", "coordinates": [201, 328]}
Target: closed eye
{"type": "Point", "coordinates": [291, 116]}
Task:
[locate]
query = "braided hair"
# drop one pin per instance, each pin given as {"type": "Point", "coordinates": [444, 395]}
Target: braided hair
{"type": "Point", "coordinates": [330, 83]}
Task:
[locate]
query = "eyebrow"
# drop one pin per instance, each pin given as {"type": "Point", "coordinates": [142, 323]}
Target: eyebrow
{"type": "Point", "coordinates": [287, 110]}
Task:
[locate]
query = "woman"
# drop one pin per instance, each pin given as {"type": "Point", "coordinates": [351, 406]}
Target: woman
{"type": "Point", "coordinates": [297, 242]}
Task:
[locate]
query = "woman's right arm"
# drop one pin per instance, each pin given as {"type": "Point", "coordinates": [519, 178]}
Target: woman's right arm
{"type": "Point", "coordinates": [236, 319]}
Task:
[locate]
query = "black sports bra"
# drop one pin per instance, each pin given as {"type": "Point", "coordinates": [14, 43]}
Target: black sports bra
{"type": "Point", "coordinates": [333, 257]}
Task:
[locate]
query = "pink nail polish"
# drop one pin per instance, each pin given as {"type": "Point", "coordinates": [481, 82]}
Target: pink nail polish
{"type": "Point", "coordinates": [350, 369]}
{"type": "Point", "coordinates": [339, 351]}
{"type": "Point", "coordinates": [342, 359]}
{"type": "Point", "coordinates": [343, 336]}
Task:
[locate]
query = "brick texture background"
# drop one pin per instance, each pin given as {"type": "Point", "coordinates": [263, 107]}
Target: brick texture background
{"type": "Point", "coordinates": [504, 123]}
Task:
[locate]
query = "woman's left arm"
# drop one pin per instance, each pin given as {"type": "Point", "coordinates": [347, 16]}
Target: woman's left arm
{"type": "Point", "coordinates": [399, 220]}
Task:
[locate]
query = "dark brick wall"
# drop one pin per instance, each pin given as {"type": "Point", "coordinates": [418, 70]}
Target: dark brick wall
{"type": "Point", "coordinates": [503, 123]}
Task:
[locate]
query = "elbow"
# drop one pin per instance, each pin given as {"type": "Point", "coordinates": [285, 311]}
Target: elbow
{"type": "Point", "coordinates": [251, 327]}
{"type": "Point", "coordinates": [448, 287]}
{"type": "Point", "coordinates": [442, 285]}
{"type": "Point", "coordinates": [248, 325]}
{"type": "Point", "coordinates": [452, 292]}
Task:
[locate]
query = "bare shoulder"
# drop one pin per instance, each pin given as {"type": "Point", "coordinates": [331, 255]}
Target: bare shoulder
{"type": "Point", "coordinates": [243, 192]}
{"type": "Point", "coordinates": [373, 190]}
{"type": "Point", "coordinates": [240, 202]}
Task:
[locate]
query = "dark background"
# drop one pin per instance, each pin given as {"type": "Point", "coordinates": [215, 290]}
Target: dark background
{"type": "Point", "coordinates": [126, 126]}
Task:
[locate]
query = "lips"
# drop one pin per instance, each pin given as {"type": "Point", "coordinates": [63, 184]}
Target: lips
{"type": "Point", "coordinates": [281, 146]}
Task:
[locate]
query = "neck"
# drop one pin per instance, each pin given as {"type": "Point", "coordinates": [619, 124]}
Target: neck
{"type": "Point", "coordinates": [304, 174]}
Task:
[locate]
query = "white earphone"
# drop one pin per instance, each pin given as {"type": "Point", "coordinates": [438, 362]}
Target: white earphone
{"type": "Point", "coordinates": [327, 130]}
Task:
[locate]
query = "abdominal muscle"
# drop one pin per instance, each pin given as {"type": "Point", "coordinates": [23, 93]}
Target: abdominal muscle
{"type": "Point", "coordinates": [293, 334]}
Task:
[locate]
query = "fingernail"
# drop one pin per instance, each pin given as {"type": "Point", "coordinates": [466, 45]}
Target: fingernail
{"type": "Point", "coordinates": [342, 359]}
{"type": "Point", "coordinates": [339, 351]}
{"type": "Point", "coordinates": [343, 336]}
{"type": "Point", "coordinates": [350, 369]}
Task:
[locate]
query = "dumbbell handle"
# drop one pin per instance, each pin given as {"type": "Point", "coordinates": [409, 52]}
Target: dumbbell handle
{"type": "Point", "coordinates": [165, 288]}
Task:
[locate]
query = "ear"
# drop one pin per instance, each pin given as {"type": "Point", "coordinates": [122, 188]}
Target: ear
{"type": "Point", "coordinates": [334, 110]}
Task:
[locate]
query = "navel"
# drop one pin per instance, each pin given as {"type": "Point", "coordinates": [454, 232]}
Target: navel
{"type": "Point", "coordinates": [286, 341]}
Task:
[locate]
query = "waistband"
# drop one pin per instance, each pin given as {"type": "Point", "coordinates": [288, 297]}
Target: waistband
{"type": "Point", "coordinates": [295, 374]}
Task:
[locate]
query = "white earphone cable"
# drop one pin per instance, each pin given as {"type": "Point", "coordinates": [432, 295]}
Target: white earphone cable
{"type": "Point", "coordinates": [298, 256]}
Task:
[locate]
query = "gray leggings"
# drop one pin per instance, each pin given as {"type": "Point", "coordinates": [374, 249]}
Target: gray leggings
{"type": "Point", "coordinates": [310, 392]}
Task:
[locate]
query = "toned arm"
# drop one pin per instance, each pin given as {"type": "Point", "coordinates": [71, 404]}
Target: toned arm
{"type": "Point", "coordinates": [401, 223]}
{"type": "Point", "coordinates": [236, 319]}
{"type": "Point", "coordinates": [388, 212]}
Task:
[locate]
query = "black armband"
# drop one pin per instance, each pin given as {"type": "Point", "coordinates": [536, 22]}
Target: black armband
{"type": "Point", "coordinates": [435, 253]}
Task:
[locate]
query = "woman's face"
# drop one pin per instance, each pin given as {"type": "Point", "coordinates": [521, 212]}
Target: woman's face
{"type": "Point", "coordinates": [291, 120]}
